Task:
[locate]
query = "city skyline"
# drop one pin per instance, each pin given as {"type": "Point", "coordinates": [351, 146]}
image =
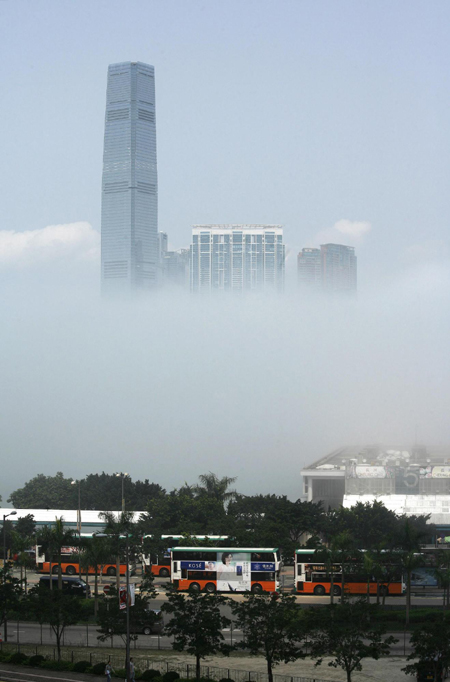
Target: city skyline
{"type": "Point", "coordinates": [330, 119]}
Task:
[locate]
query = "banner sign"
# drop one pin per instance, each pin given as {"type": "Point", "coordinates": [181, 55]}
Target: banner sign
{"type": "Point", "coordinates": [233, 569]}
{"type": "Point", "coordinates": [265, 566]}
{"type": "Point", "coordinates": [440, 472]}
{"type": "Point", "coordinates": [123, 596]}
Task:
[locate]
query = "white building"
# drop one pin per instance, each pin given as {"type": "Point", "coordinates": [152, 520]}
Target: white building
{"type": "Point", "coordinates": [237, 257]}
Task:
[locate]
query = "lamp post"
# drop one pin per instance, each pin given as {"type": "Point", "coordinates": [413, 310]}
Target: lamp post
{"type": "Point", "coordinates": [122, 475]}
{"type": "Point", "coordinates": [5, 516]}
{"type": "Point", "coordinates": [78, 523]}
{"type": "Point", "coordinates": [127, 611]}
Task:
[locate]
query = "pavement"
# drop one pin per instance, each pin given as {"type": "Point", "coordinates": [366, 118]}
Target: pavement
{"type": "Point", "coordinates": [384, 670]}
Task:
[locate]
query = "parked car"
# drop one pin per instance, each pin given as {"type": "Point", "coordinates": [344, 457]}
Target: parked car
{"type": "Point", "coordinates": [73, 586]}
{"type": "Point", "coordinates": [154, 626]}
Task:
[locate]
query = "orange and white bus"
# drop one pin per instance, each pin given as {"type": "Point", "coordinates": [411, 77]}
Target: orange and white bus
{"type": "Point", "coordinates": [225, 569]}
{"type": "Point", "coordinates": [159, 564]}
{"type": "Point", "coordinates": [70, 564]}
{"type": "Point", "coordinates": [314, 577]}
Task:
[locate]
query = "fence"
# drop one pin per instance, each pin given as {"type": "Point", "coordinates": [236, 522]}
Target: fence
{"type": "Point", "coordinates": [185, 670]}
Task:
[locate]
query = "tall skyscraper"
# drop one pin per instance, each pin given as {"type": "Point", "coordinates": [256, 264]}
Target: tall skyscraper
{"type": "Point", "coordinates": [309, 269]}
{"type": "Point", "coordinates": [332, 269]}
{"type": "Point", "coordinates": [129, 185]}
{"type": "Point", "coordinates": [237, 257]}
{"type": "Point", "coordinates": [338, 268]}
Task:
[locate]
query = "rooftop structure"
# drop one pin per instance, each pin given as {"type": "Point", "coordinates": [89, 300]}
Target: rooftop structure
{"type": "Point", "coordinates": [408, 481]}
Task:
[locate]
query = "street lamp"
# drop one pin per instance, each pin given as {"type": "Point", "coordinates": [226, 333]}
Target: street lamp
{"type": "Point", "coordinates": [127, 613]}
{"type": "Point", "coordinates": [122, 475]}
{"type": "Point", "coordinates": [5, 516]}
{"type": "Point", "coordinates": [78, 522]}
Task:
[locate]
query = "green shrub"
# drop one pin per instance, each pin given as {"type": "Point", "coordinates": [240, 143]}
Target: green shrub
{"type": "Point", "coordinates": [56, 665]}
{"type": "Point", "coordinates": [151, 674]}
{"type": "Point", "coordinates": [226, 679]}
{"type": "Point", "coordinates": [5, 657]}
{"type": "Point", "coordinates": [18, 658]}
{"type": "Point", "coordinates": [120, 672]}
{"type": "Point", "coordinates": [35, 660]}
{"type": "Point", "coordinates": [82, 666]}
{"type": "Point", "coordinates": [99, 668]}
{"type": "Point", "coordinates": [170, 676]}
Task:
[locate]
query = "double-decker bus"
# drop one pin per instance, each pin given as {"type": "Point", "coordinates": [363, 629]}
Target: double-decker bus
{"type": "Point", "coordinates": [314, 577]}
{"type": "Point", "coordinates": [159, 564]}
{"type": "Point", "coordinates": [70, 564]}
{"type": "Point", "coordinates": [225, 569]}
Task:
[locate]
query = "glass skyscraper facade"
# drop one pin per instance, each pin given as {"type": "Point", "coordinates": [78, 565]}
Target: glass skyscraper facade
{"type": "Point", "coordinates": [237, 257]}
{"type": "Point", "coordinates": [129, 185]}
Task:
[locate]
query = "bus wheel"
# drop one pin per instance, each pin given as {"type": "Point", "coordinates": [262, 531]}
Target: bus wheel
{"type": "Point", "coordinates": [110, 570]}
{"type": "Point", "coordinates": [257, 589]}
{"type": "Point", "coordinates": [164, 573]}
{"type": "Point", "coordinates": [55, 569]}
{"type": "Point", "coordinates": [336, 590]}
{"type": "Point", "coordinates": [194, 587]}
{"type": "Point", "coordinates": [319, 590]}
{"type": "Point", "coordinates": [384, 590]}
{"type": "Point", "coordinates": [210, 587]}
{"type": "Point", "coordinates": [71, 570]}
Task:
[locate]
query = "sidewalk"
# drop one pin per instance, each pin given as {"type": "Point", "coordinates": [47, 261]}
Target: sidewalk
{"type": "Point", "coordinates": [384, 670]}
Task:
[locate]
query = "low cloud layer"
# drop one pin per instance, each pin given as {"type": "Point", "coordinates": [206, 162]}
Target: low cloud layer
{"type": "Point", "coordinates": [54, 243]}
{"type": "Point", "coordinates": [344, 231]}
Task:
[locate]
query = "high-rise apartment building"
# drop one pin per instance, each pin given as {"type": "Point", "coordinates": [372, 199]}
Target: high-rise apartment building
{"type": "Point", "coordinates": [237, 257]}
{"type": "Point", "coordinates": [332, 269]}
{"type": "Point", "coordinates": [309, 269]}
{"type": "Point", "coordinates": [129, 185]}
{"type": "Point", "coordinates": [338, 268]}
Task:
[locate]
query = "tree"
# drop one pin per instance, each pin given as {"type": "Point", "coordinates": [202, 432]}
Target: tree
{"type": "Point", "coordinates": [20, 544]}
{"type": "Point", "coordinates": [330, 558]}
{"type": "Point", "coordinates": [370, 525]}
{"type": "Point", "coordinates": [196, 624]}
{"type": "Point", "coordinates": [215, 487]}
{"type": "Point", "coordinates": [57, 492]}
{"type": "Point", "coordinates": [347, 633]}
{"type": "Point", "coordinates": [45, 492]}
{"type": "Point", "coordinates": [271, 625]}
{"type": "Point", "coordinates": [9, 594]}
{"type": "Point", "coordinates": [57, 609]}
{"type": "Point", "coordinates": [62, 537]}
{"type": "Point", "coordinates": [95, 552]}
{"type": "Point", "coordinates": [112, 619]}
{"type": "Point", "coordinates": [431, 646]}
{"type": "Point", "coordinates": [119, 527]}
{"type": "Point", "coordinates": [46, 538]}
{"type": "Point", "coordinates": [443, 573]}
{"type": "Point", "coordinates": [26, 526]}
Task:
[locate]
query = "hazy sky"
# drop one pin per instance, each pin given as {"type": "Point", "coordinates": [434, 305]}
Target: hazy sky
{"type": "Point", "coordinates": [331, 118]}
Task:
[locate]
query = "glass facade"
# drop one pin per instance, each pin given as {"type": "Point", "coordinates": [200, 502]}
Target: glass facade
{"type": "Point", "coordinates": [237, 257]}
{"type": "Point", "coordinates": [129, 185]}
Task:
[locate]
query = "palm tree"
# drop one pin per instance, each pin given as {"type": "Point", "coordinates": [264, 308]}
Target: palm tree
{"type": "Point", "coordinates": [443, 573]}
{"type": "Point", "coordinates": [96, 553]}
{"type": "Point", "coordinates": [213, 486]}
{"type": "Point", "coordinates": [20, 545]}
{"type": "Point", "coordinates": [46, 539]}
{"type": "Point", "coordinates": [117, 526]}
{"type": "Point", "coordinates": [62, 536]}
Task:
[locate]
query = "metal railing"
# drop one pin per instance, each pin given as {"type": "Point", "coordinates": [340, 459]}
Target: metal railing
{"type": "Point", "coordinates": [185, 670]}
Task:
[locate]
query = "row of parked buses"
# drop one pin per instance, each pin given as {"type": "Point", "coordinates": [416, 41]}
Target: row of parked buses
{"type": "Point", "coordinates": [238, 569]}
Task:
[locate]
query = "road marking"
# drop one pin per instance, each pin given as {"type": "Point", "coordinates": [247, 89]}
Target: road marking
{"type": "Point", "coordinates": [44, 677]}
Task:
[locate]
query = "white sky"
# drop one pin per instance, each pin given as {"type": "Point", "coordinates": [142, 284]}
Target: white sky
{"type": "Point", "coordinates": [331, 118]}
